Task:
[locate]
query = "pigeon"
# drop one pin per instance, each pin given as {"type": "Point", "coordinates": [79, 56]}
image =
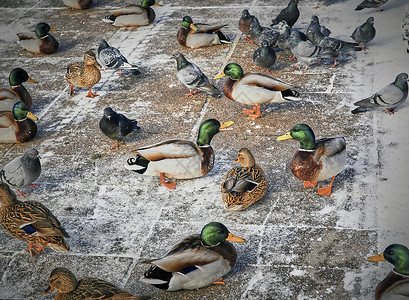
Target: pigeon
{"type": "Point", "coordinates": [192, 77]}
{"type": "Point", "coordinates": [290, 14]}
{"type": "Point", "coordinates": [306, 52]}
{"type": "Point", "coordinates": [405, 30]}
{"type": "Point", "coordinates": [371, 4]}
{"type": "Point", "coordinates": [116, 126]}
{"type": "Point", "coordinates": [245, 22]}
{"type": "Point", "coordinates": [259, 34]}
{"type": "Point", "coordinates": [22, 171]}
{"type": "Point", "coordinates": [283, 41]}
{"type": "Point", "coordinates": [111, 58]}
{"type": "Point", "coordinates": [265, 56]}
{"type": "Point", "coordinates": [388, 98]}
{"type": "Point", "coordinates": [316, 32]}
{"type": "Point", "coordinates": [364, 33]}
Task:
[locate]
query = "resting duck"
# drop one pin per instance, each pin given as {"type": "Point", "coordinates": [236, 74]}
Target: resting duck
{"type": "Point", "coordinates": [243, 185]}
{"type": "Point", "coordinates": [255, 89]}
{"type": "Point", "coordinates": [84, 74]}
{"type": "Point", "coordinates": [316, 160]}
{"type": "Point", "coordinates": [179, 159]}
{"type": "Point", "coordinates": [195, 262]}
{"type": "Point", "coordinates": [78, 4]}
{"type": "Point", "coordinates": [200, 35]}
{"type": "Point", "coordinates": [17, 126]}
{"type": "Point", "coordinates": [40, 41]}
{"type": "Point", "coordinates": [133, 15]}
{"type": "Point", "coordinates": [397, 280]}
{"type": "Point", "coordinates": [17, 92]}
{"type": "Point", "coordinates": [69, 288]}
{"type": "Point", "coordinates": [32, 222]}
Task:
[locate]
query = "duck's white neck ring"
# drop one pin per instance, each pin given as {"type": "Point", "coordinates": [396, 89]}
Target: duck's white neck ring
{"type": "Point", "coordinates": [305, 150]}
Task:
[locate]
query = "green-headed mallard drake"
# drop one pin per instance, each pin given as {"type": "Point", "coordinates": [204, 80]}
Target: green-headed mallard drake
{"type": "Point", "coordinates": [397, 280]}
{"type": "Point", "coordinates": [133, 15]}
{"type": "Point", "coordinates": [179, 159]}
{"type": "Point", "coordinates": [84, 74]}
{"type": "Point", "coordinates": [195, 262]}
{"type": "Point", "coordinates": [17, 92]}
{"type": "Point", "coordinates": [255, 89]}
{"type": "Point", "coordinates": [32, 222]}
{"type": "Point", "coordinates": [69, 288]}
{"type": "Point", "coordinates": [245, 184]}
{"type": "Point", "coordinates": [39, 41]}
{"type": "Point", "coordinates": [78, 4]}
{"type": "Point", "coordinates": [200, 35]}
{"type": "Point", "coordinates": [17, 126]}
{"type": "Point", "coordinates": [316, 160]}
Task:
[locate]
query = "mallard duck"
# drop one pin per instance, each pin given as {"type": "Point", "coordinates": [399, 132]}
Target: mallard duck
{"type": "Point", "coordinates": [397, 280]}
{"type": "Point", "coordinates": [22, 171]}
{"type": "Point", "coordinates": [192, 77]}
{"type": "Point", "coordinates": [255, 89]}
{"type": "Point", "coordinates": [39, 41]}
{"type": "Point", "coordinates": [84, 74]}
{"type": "Point", "coordinates": [17, 92]}
{"type": "Point", "coordinates": [133, 15]}
{"type": "Point", "coordinates": [243, 185]}
{"type": "Point", "coordinates": [116, 126]}
{"type": "Point", "coordinates": [316, 160]}
{"type": "Point", "coordinates": [78, 4]}
{"type": "Point", "coordinates": [200, 35]}
{"type": "Point", "coordinates": [17, 126]}
{"type": "Point", "coordinates": [32, 222]}
{"type": "Point", "coordinates": [179, 159]}
{"type": "Point", "coordinates": [69, 288]}
{"type": "Point", "coordinates": [245, 21]}
{"type": "Point", "coordinates": [195, 262]}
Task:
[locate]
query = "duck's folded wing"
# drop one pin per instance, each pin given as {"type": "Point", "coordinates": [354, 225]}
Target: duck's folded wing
{"type": "Point", "coordinates": [128, 10]}
{"type": "Point", "coordinates": [208, 28]}
{"type": "Point", "coordinates": [27, 36]}
{"type": "Point", "coordinates": [265, 81]}
{"type": "Point", "coordinates": [329, 147]}
{"type": "Point", "coordinates": [168, 150]}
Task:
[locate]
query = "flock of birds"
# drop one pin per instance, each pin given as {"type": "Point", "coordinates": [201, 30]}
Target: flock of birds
{"type": "Point", "coordinates": [201, 259]}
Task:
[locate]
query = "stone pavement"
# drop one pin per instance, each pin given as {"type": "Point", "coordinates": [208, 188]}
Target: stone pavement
{"type": "Point", "coordinates": [298, 245]}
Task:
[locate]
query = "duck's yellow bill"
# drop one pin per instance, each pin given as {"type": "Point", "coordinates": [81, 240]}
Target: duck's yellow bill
{"type": "Point", "coordinates": [234, 238]}
{"type": "Point", "coordinates": [225, 125]}
{"type": "Point", "coordinates": [47, 290]}
{"type": "Point", "coordinates": [53, 29]}
{"type": "Point", "coordinates": [193, 26]}
{"type": "Point", "coordinates": [157, 4]}
{"type": "Point", "coordinates": [32, 80]}
{"type": "Point", "coordinates": [221, 75]}
{"type": "Point", "coordinates": [375, 258]}
{"type": "Point", "coordinates": [97, 64]}
{"type": "Point", "coordinates": [284, 137]}
{"type": "Point", "coordinates": [31, 116]}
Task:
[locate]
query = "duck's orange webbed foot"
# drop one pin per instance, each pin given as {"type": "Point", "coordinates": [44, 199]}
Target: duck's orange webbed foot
{"type": "Point", "coordinates": [191, 93]}
{"type": "Point", "coordinates": [326, 191]}
{"type": "Point", "coordinates": [34, 249]}
{"type": "Point", "coordinates": [116, 146]}
{"type": "Point", "coordinates": [256, 113]}
{"type": "Point", "coordinates": [310, 184]}
{"type": "Point", "coordinates": [167, 184]}
{"type": "Point", "coordinates": [22, 194]}
{"type": "Point", "coordinates": [220, 281]}
{"type": "Point", "coordinates": [91, 94]}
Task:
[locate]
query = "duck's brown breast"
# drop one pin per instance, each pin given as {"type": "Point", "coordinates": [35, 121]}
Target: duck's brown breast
{"type": "Point", "coordinates": [304, 166]}
{"type": "Point", "coordinates": [207, 159]}
{"type": "Point", "coordinates": [228, 88]}
{"type": "Point", "coordinates": [48, 45]}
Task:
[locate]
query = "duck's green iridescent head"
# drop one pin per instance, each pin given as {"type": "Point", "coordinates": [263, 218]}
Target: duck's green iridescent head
{"type": "Point", "coordinates": [188, 23]}
{"type": "Point", "coordinates": [302, 133]}
{"type": "Point", "coordinates": [233, 70]}
{"type": "Point", "coordinates": [18, 76]}
{"type": "Point", "coordinates": [214, 233]}
{"type": "Point", "coordinates": [209, 128]}
{"type": "Point", "coordinates": [21, 111]}
{"type": "Point", "coordinates": [42, 29]}
{"type": "Point", "coordinates": [397, 255]}
{"type": "Point", "coordinates": [147, 3]}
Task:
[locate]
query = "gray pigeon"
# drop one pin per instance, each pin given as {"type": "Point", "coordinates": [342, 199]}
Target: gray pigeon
{"type": "Point", "coordinates": [245, 21]}
{"type": "Point", "coordinates": [290, 14]}
{"type": "Point", "coordinates": [259, 34]}
{"type": "Point", "coordinates": [192, 77]}
{"type": "Point", "coordinates": [283, 41]}
{"type": "Point", "coordinates": [306, 52]}
{"type": "Point", "coordinates": [111, 58]}
{"type": "Point", "coordinates": [364, 33]}
{"type": "Point", "coordinates": [388, 98]}
{"type": "Point", "coordinates": [316, 32]}
{"type": "Point", "coordinates": [265, 56]}
{"type": "Point", "coordinates": [22, 171]}
{"type": "Point", "coordinates": [371, 4]}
